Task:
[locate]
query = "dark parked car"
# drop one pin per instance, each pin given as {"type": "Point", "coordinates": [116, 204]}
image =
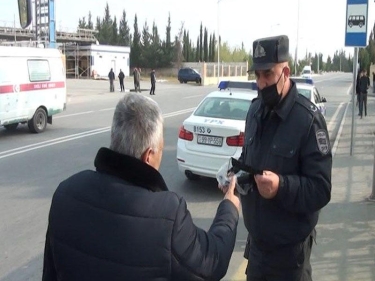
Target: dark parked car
{"type": "Point", "coordinates": [189, 74]}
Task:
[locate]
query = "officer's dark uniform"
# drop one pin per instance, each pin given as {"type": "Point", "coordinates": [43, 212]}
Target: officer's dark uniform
{"type": "Point", "coordinates": [292, 141]}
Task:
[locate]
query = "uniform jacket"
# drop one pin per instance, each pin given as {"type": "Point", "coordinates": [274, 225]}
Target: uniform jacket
{"type": "Point", "coordinates": [294, 143]}
{"type": "Point", "coordinates": [120, 222]}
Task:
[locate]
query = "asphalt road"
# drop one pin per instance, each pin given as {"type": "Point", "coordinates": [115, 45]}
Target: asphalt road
{"type": "Point", "coordinates": [32, 165]}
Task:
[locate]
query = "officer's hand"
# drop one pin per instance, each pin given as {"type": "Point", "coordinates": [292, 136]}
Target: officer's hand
{"type": "Point", "coordinates": [268, 184]}
{"type": "Point", "coordinates": [230, 193]}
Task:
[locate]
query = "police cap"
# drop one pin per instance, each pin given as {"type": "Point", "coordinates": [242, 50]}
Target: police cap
{"type": "Point", "coordinates": [270, 51]}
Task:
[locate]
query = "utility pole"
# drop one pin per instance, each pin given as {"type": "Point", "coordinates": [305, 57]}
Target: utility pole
{"type": "Point", "coordinates": [296, 56]}
{"type": "Point", "coordinates": [218, 42]}
{"type": "Point", "coordinates": [318, 63]}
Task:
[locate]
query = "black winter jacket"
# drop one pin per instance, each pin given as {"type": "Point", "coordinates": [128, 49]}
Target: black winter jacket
{"type": "Point", "coordinates": [120, 222]}
{"type": "Point", "coordinates": [294, 143]}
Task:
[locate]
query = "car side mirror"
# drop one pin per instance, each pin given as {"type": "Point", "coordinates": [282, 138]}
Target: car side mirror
{"type": "Point", "coordinates": [324, 99]}
{"type": "Point", "coordinates": [25, 12]}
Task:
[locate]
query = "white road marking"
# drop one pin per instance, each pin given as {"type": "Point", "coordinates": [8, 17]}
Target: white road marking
{"type": "Point", "coordinates": [195, 96]}
{"type": "Point", "coordinates": [337, 140]}
{"type": "Point", "coordinates": [23, 149]}
{"type": "Point", "coordinates": [74, 114]}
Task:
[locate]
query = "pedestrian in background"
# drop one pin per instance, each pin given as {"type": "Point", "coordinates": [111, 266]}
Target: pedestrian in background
{"type": "Point", "coordinates": [137, 78]}
{"type": "Point", "coordinates": [121, 222]}
{"type": "Point", "coordinates": [358, 89]}
{"type": "Point", "coordinates": [373, 82]}
{"type": "Point", "coordinates": [111, 76]}
{"type": "Point", "coordinates": [364, 84]}
{"type": "Point", "coordinates": [121, 77]}
{"type": "Point", "coordinates": [281, 204]}
{"type": "Point", "coordinates": [153, 82]}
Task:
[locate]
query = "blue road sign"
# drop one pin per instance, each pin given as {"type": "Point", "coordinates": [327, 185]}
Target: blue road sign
{"type": "Point", "coordinates": [356, 23]}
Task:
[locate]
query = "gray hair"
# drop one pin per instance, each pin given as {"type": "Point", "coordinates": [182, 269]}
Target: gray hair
{"type": "Point", "coordinates": [137, 125]}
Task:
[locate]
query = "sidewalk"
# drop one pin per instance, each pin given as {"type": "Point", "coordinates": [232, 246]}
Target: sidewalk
{"type": "Point", "coordinates": [345, 249]}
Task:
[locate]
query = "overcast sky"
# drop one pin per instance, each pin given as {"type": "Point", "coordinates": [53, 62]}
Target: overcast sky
{"type": "Point", "coordinates": [320, 24]}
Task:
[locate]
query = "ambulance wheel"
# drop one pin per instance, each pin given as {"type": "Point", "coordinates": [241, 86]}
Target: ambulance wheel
{"type": "Point", "coordinates": [39, 121]}
{"type": "Point", "coordinates": [11, 127]}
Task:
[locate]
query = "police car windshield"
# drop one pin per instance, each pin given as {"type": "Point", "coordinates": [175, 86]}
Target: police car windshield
{"type": "Point", "coordinates": [305, 92]}
{"type": "Point", "coordinates": [223, 108]}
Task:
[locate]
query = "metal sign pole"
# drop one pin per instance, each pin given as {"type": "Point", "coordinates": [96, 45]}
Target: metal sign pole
{"type": "Point", "coordinates": [355, 71]}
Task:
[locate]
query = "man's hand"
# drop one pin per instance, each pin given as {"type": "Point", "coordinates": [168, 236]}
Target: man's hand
{"type": "Point", "coordinates": [230, 193]}
{"type": "Point", "coordinates": [268, 184]}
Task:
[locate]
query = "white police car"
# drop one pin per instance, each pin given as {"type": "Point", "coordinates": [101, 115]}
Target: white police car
{"type": "Point", "coordinates": [307, 88]}
{"type": "Point", "coordinates": [214, 132]}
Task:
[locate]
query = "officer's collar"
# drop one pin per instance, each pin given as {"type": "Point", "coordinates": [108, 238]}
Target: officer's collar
{"type": "Point", "coordinates": [286, 104]}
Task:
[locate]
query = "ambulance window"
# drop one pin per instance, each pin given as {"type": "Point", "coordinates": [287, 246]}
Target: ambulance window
{"type": "Point", "coordinates": [38, 70]}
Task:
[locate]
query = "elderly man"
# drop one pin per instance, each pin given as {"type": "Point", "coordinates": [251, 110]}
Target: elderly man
{"type": "Point", "coordinates": [286, 138]}
{"type": "Point", "coordinates": [121, 222]}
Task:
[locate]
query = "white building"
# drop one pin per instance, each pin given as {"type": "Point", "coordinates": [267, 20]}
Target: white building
{"type": "Point", "coordinates": [96, 60]}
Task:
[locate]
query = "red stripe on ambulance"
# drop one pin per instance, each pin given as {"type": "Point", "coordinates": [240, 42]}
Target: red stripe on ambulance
{"type": "Point", "coordinates": [7, 89]}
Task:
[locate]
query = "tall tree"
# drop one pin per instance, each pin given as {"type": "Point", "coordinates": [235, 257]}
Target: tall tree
{"type": "Point", "coordinates": [89, 25]}
{"type": "Point", "coordinates": [106, 28]}
{"type": "Point", "coordinates": [114, 38]}
{"type": "Point", "coordinates": [98, 28]}
{"type": "Point", "coordinates": [124, 31]}
{"type": "Point", "coordinates": [197, 52]}
{"type": "Point", "coordinates": [82, 23]}
{"type": "Point", "coordinates": [205, 45]}
{"type": "Point", "coordinates": [213, 46]}
{"type": "Point", "coordinates": [135, 53]}
{"type": "Point", "coordinates": [167, 46]}
{"type": "Point", "coordinates": [201, 43]}
{"type": "Point", "coordinates": [155, 60]}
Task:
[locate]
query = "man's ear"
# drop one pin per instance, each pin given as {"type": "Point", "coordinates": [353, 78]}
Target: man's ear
{"type": "Point", "coordinates": [146, 155]}
{"type": "Point", "coordinates": [287, 71]}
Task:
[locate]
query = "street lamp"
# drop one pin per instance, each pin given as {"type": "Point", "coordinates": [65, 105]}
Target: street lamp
{"type": "Point", "coordinates": [218, 42]}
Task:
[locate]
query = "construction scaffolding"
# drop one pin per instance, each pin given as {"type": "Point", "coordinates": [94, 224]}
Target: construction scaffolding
{"type": "Point", "coordinates": [42, 20]}
{"type": "Point", "coordinates": [77, 61]}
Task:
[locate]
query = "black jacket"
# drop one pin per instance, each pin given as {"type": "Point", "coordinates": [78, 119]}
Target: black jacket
{"type": "Point", "coordinates": [364, 84]}
{"type": "Point", "coordinates": [121, 75]}
{"type": "Point", "coordinates": [121, 223]}
{"type": "Point", "coordinates": [111, 75]}
{"type": "Point", "coordinates": [293, 142]}
{"type": "Point", "coordinates": [153, 77]}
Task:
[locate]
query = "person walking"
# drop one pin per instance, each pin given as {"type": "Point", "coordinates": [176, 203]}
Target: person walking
{"type": "Point", "coordinates": [121, 222]}
{"type": "Point", "coordinates": [153, 82]}
{"type": "Point", "coordinates": [364, 84]}
{"type": "Point", "coordinates": [121, 77]}
{"type": "Point", "coordinates": [137, 78]}
{"type": "Point", "coordinates": [358, 89]}
{"type": "Point", "coordinates": [111, 76]}
{"type": "Point", "coordinates": [373, 82]}
{"type": "Point", "coordinates": [282, 201]}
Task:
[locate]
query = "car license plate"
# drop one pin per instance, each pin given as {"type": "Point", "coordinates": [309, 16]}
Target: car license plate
{"type": "Point", "coordinates": [210, 140]}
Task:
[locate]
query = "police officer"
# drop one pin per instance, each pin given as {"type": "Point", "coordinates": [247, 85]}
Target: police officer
{"type": "Point", "coordinates": [286, 138]}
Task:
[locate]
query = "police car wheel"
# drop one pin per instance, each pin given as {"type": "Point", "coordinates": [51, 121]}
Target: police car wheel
{"type": "Point", "coordinates": [39, 121]}
{"type": "Point", "coordinates": [191, 176]}
{"type": "Point", "coordinates": [11, 127]}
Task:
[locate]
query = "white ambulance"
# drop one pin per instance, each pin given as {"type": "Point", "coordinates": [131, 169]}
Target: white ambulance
{"type": "Point", "coordinates": [32, 87]}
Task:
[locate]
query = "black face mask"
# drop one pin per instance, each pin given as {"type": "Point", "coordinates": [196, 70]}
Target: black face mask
{"type": "Point", "coordinates": [270, 95]}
